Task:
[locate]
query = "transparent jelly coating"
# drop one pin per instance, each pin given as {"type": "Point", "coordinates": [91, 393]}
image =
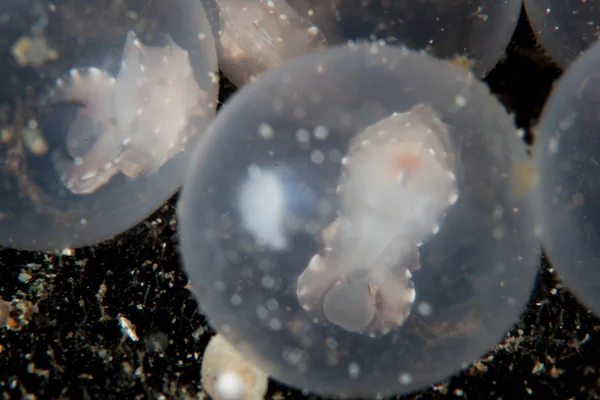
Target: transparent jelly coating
{"type": "Point", "coordinates": [258, 34]}
{"type": "Point", "coordinates": [100, 103]}
{"type": "Point", "coordinates": [565, 28]}
{"type": "Point", "coordinates": [350, 221]}
{"type": "Point", "coordinates": [566, 149]}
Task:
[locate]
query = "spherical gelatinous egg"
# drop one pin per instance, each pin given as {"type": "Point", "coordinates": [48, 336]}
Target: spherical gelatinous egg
{"type": "Point", "coordinates": [566, 150]}
{"type": "Point", "coordinates": [255, 35]}
{"type": "Point", "coordinates": [565, 28]}
{"type": "Point", "coordinates": [351, 223]}
{"type": "Point", "coordinates": [475, 33]}
{"type": "Point", "coordinates": [99, 105]}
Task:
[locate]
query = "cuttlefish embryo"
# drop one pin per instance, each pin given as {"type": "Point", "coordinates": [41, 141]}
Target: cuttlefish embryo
{"type": "Point", "coordinates": [397, 183]}
{"type": "Point", "coordinates": [133, 123]}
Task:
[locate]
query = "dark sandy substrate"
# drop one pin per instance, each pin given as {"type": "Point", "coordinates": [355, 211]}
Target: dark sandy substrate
{"type": "Point", "coordinates": [66, 340]}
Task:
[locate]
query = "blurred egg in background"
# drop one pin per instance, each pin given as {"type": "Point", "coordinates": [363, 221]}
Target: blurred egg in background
{"type": "Point", "coordinates": [99, 107]}
{"type": "Point", "coordinates": [565, 152]}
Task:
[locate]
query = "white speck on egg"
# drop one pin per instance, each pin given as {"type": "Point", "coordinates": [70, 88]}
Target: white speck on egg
{"type": "Point", "coordinates": [321, 132]}
{"type": "Point", "coordinates": [460, 101]}
{"type": "Point", "coordinates": [424, 309]}
{"type": "Point", "coordinates": [275, 324]}
{"type": "Point", "coordinates": [353, 370]}
{"type": "Point", "coordinates": [266, 131]}
{"type": "Point", "coordinates": [405, 378]}
{"type": "Point", "coordinates": [317, 157]}
{"type": "Point", "coordinates": [302, 136]}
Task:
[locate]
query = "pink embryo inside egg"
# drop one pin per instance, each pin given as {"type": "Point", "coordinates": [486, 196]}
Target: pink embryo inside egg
{"type": "Point", "coordinates": [396, 185]}
{"type": "Point", "coordinates": [349, 221]}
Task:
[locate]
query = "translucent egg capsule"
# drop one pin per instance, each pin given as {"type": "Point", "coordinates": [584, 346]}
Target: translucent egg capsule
{"type": "Point", "coordinates": [566, 149]}
{"type": "Point", "coordinates": [566, 28]}
{"type": "Point", "coordinates": [255, 35]}
{"type": "Point", "coordinates": [351, 224]}
{"type": "Point", "coordinates": [99, 107]}
{"type": "Point", "coordinates": [474, 32]}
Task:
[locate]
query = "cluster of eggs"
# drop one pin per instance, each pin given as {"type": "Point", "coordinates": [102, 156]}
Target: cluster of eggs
{"type": "Point", "coordinates": [361, 218]}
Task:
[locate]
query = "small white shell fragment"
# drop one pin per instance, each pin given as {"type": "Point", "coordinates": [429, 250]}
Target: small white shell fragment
{"type": "Point", "coordinates": [226, 375]}
{"type": "Point", "coordinates": [355, 328]}
{"type": "Point", "coordinates": [128, 328]}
